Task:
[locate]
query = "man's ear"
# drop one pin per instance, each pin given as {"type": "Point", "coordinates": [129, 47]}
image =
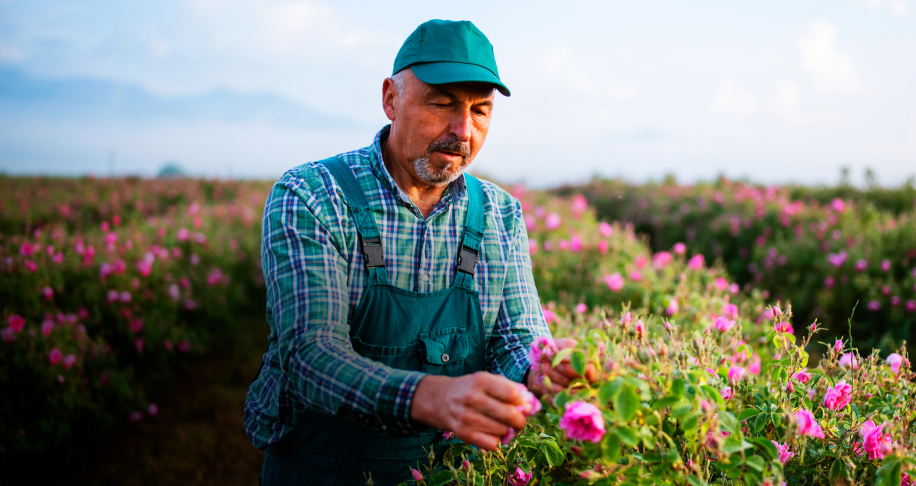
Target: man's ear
{"type": "Point", "coordinates": [389, 98]}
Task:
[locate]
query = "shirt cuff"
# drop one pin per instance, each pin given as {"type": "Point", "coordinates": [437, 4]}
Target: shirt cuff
{"type": "Point", "coordinates": [395, 399]}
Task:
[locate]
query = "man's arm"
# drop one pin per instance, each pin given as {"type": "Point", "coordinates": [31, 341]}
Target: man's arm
{"type": "Point", "coordinates": [306, 279]}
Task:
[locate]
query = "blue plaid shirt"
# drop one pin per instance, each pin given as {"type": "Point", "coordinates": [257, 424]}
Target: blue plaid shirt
{"type": "Point", "coordinates": [315, 276]}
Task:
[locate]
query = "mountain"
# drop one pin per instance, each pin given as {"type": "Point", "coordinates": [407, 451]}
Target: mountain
{"type": "Point", "coordinates": [22, 95]}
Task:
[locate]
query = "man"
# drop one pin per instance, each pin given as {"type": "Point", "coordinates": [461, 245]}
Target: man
{"type": "Point", "coordinates": [400, 296]}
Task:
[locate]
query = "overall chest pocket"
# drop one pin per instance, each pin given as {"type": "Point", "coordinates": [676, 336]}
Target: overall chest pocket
{"type": "Point", "coordinates": [443, 351]}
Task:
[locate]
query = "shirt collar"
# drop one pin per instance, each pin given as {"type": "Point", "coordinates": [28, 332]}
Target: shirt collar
{"type": "Point", "coordinates": [455, 189]}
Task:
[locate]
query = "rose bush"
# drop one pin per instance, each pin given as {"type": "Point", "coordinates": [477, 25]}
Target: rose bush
{"type": "Point", "coordinates": [108, 286]}
{"type": "Point", "coordinates": [822, 249]}
{"type": "Point", "coordinates": [713, 390]}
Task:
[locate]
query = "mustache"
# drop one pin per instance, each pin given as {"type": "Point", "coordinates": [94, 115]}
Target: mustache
{"type": "Point", "coordinates": [460, 148]}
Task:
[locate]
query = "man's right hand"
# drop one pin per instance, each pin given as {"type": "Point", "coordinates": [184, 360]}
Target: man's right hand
{"type": "Point", "coordinates": [479, 408]}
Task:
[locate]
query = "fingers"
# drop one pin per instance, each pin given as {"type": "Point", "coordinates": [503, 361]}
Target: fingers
{"type": "Point", "coordinates": [499, 387]}
{"type": "Point", "coordinates": [563, 343]}
{"type": "Point", "coordinates": [484, 441]}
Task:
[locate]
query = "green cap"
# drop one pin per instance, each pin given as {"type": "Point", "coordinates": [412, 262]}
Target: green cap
{"type": "Point", "coordinates": [442, 51]}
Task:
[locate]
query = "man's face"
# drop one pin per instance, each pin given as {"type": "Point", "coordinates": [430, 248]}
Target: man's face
{"type": "Point", "coordinates": [438, 128]}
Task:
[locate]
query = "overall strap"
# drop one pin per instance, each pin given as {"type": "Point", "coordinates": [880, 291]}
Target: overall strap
{"type": "Point", "coordinates": [369, 236]}
{"type": "Point", "coordinates": [473, 234]}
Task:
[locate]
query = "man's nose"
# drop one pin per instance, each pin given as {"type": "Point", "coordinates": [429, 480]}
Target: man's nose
{"type": "Point", "coordinates": [461, 126]}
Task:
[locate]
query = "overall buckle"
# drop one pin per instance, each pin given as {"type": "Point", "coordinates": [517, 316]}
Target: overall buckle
{"type": "Point", "coordinates": [374, 253]}
{"type": "Point", "coordinates": [467, 260]}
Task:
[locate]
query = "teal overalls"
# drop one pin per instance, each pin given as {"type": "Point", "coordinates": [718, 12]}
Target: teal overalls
{"type": "Point", "coordinates": [439, 333]}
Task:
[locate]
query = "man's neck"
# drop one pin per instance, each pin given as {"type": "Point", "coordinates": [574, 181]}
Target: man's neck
{"type": "Point", "coordinates": [424, 195]}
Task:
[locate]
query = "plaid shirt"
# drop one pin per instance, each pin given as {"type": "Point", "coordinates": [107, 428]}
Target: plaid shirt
{"type": "Point", "coordinates": [315, 276]}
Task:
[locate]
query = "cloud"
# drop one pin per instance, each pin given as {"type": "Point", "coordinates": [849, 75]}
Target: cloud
{"type": "Point", "coordinates": [622, 92]}
{"type": "Point", "coordinates": [10, 53]}
{"type": "Point", "coordinates": [558, 64]}
{"type": "Point", "coordinates": [733, 99]}
{"type": "Point", "coordinates": [898, 7]}
{"type": "Point", "coordinates": [830, 71]}
{"type": "Point", "coordinates": [785, 105]}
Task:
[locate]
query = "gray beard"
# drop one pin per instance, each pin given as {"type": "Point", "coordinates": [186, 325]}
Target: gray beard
{"type": "Point", "coordinates": [437, 177]}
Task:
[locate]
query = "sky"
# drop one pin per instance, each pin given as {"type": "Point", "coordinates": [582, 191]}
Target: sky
{"type": "Point", "coordinates": [775, 92]}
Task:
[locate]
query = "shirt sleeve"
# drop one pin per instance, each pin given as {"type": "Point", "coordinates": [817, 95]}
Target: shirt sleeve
{"type": "Point", "coordinates": [520, 319]}
{"type": "Point", "coordinates": [306, 280]}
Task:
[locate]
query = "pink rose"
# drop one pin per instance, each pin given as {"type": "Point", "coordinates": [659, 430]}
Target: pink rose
{"type": "Point", "coordinates": [848, 360]}
{"type": "Point", "coordinates": [508, 437]}
{"type": "Point", "coordinates": [605, 229]}
{"type": "Point", "coordinates": [680, 248]}
{"type": "Point", "coordinates": [873, 441]}
{"type": "Point", "coordinates": [520, 477]}
{"type": "Point", "coordinates": [838, 345]}
{"type": "Point", "coordinates": [534, 405]}
{"type": "Point", "coordinates": [721, 283]}
{"type": "Point", "coordinates": [736, 374]}
{"type": "Point", "coordinates": [784, 453]}
{"type": "Point", "coordinates": [730, 310]}
{"type": "Point", "coordinates": [614, 281]}
{"type": "Point", "coordinates": [697, 262]}
{"type": "Point", "coordinates": [754, 367]}
{"type": "Point", "coordinates": [802, 376]}
{"type": "Point", "coordinates": [416, 475]}
{"type": "Point", "coordinates": [894, 361]}
{"type": "Point", "coordinates": [581, 308]}
{"type": "Point", "coordinates": [17, 323]}
{"type": "Point", "coordinates": [783, 327]}
{"type": "Point", "coordinates": [727, 393]}
{"type": "Point", "coordinates": [583, 421]}
{"type": "Point", "coordinates": [552, 221]}
{"type": "Point", "coordinates": [69, 361]}
{"type": "Point", "coordinates": [839, 396]}
{"type": "Point", "coordinates": [55, 356]}
{"type": "Point", "coordinates": [807, 425]}
{"type": "Point", "coordinates": [722, 324]}
{"type": "Point", "coordinates": [541, 347]}
{"type": "Point", "coordinates": [640, 328]}
{"type": "Point", "coordinates": [673, 308]}
{"type": "Point", "coordinates": [46, 327]}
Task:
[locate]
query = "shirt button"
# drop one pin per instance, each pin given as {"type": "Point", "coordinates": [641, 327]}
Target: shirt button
{"type": "Point", "coordinates": [444, 357]}
{"type": "Point", "coordinates": [424, 276]}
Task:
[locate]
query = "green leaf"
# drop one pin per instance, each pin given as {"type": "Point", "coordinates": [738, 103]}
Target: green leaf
{"type": "Point", "coordinates": [577, 360]}
{"type": "Point", "coordinates": [748, 413]}
{"type": "Point", "coordinates": [837, 471]}
{"type": "Point", "coordinates": [777, 419]}
{"type": "Point", "coordinates": [560, 356]}
{"type": "Point", "coordinates": [677, 387]}
{"type": "Point", "coordinates": [889, 473]}
{"type": "Point", "coordinates": [681, 409]}
{"type": "Point", "coordinates": [555, 456]}
{"type": "Point", "coordinates": [760, 422]}
{"type": "Point", "coordinates": [440, 478]}
{"type": "Point", "coordinates": [689, 423]}
{"type": "Point", "coordinates": [560, 399]}
{"type": "Point", "coordinates": [611, 446]}
{"type": "Point", "coordinates": [626, 403]}
{"type": "Point", "coordinates": [607, 391]}
{"type": "Point", "coordinates": [662, 402]}
{"type": "Point", "coordinates": [714, 394]}
{"type": "Point", "coordinates": [695, 481]}
{"type": "Point", "coordinates": [756, 462]}
{"type": "Point", "coordinates": [627, 436]}
{"type": "Point", "coordinates": [728, 421]}
{"type": "Point", "coordinates": [766, 446]}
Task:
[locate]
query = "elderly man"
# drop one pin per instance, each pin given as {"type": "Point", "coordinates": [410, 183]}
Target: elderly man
{"type": "Point", "coordinates": [399, 289]}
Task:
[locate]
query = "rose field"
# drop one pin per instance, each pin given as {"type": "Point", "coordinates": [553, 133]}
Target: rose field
{"type": "Point", "coordinates": [741, 334]}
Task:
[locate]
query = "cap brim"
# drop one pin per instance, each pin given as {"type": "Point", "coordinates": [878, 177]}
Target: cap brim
{"type": "Point", "coordinates": [456, 72]}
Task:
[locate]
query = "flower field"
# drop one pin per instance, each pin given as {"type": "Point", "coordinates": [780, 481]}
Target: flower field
{"type": "Point", "coordinates": [822, 249]}
{"type": "Point", "coordinates": [699, 381]}
{"type": "Point", "coordinates": [108, 286]}
{"type": "Point", "coordinates": [111, 285]}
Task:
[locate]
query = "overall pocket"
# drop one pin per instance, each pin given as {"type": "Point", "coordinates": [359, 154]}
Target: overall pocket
{"type": "Point", "coordinates": [443, 351]}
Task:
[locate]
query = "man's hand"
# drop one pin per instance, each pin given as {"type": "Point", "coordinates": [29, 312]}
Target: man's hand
{"type": "Point", "coordinates": [479, 408]}
{"type": "Point", "coordinates": [560, 377]}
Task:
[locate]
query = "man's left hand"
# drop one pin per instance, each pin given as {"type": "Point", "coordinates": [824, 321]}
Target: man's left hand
{"type": "Point", "coordinates": [560, 376]}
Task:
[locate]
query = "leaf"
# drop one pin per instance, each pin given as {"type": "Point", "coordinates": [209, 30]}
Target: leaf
{"type": "Point", "coordinates": [560, 399]}
{"type": "Point", "coordinates": [626, 403]}
{"type": "Point", "coordinates": [837, 471]}
{"type": "Point", "coordinates": [611, 447]}
{"type": "Point", "coordinates": [607, 391]}
{"type": "Point", "coordinates": [777, 419]}
{"type": "Point", "coordinates": [695, 481]}
{"type": "Point", "coordinates": [748, 413]}
{"type": "Point", "coordinates": [577, 360]}
{"type": "Point", "coordinates": [766, 446]}
{"type": "Point", "coordinates": [560, 356]}
{"type": "Point", "coordinates": [728, 421]}
{"type": "Point", "coordinates": [681, 409]}
{"type": "Point", "coordinates": [440, 478]}
{"type": "Point", "coordinates": [889, 473]}
{"type": "Point", "coordinates": [714, 394]}
{"type": "Point", "coordinates": [664, 402]}
{"type": "Point", "coordinates": [756, 462]}
{"type": "Point", "coordinates": [677, 387]}
{"type": "Point", "coordinates": [552, 452]}
{"type": "Point", "coordinates": [760, 422]}
{"type": "Point", "coordinates": [627, 436]}
{"type": "Point", "coordinates": [689, 423]}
